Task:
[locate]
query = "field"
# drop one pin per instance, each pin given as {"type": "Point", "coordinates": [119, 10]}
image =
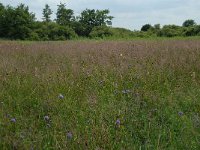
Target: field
{"type": "Point", "coordinates": [142, 94]}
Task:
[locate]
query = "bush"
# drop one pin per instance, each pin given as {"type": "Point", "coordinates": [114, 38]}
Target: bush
{"type": "Point", "coordinates": [16, 23]}
{"type": "Point", "coordinates": [122, 33]}
{"type": "Point", "coordinates": [53, 31]}
{"type": "Point", "coordinates": [146, 27]}
{"type": "Point", "coordinates": [171, 31]}
{"type": "Point", "coordinates": [192, 31]}
{"type": "Point", "coordinates": [33, 37]}
{"type": "Point", "coordinates": [101, 32]}
{"type": "Point", "coordinates": [62, 33]}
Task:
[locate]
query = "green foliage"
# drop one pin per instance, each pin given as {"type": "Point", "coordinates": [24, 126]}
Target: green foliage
{"type": "Point", "coordinates": [80, 29]}
{"type": "Point", "coordinates": [192, 30]}
{"type": "Point", "coordinates": [101, 32]}
{"type": "Point", "coordinates": [146, 27]}
{"type": "Point", "coordinates": [91, 18]}
{"type": "Point", "coordinates": [1, 7]}
{"type": "Point", "coordinates": [122, 33]}
{"type": "Point", "coordinates": [156, 26]}
{"type": "Point", "coordinates": [19, 23]}
{"type": "Point", "coordinates": [189, 23]}
{"type": "Point", "coordinates": [53, 31]}
{"type": "Point", "coordinates": [64, 16]}
{"type": "Point", "coordinates": [47, 13]}
{"type": "Point", "coordinates": [16, 23]}
{"type": "Point", "coordinates": [171, 31]}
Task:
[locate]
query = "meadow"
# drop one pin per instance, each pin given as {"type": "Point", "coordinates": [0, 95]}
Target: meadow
{"type": "Point", "coordinates": [142, 94]}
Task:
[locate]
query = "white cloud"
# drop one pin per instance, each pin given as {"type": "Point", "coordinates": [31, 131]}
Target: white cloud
{"type": "Point", "coordinates": [131, 14]}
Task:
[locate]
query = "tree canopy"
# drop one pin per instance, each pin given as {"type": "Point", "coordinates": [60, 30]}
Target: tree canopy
{"type": "Point", "coordinates": [47, 12]}
{"type": "Point", "coordinates": [189, 23]}
{"type": "Point", "coordinates": [64, 16]}
{"type": "Point", "coordinates": [146, 27]}
{"type": "Point", "coordinates": [19, 23]}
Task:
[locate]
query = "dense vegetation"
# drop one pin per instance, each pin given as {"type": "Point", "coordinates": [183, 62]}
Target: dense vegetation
{"type": "Point", "coordinates": [19, 23]}
{"type": "Point", "coordinates": [100, 95]}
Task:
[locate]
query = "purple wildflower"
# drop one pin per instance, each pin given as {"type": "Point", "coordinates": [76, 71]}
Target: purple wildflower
{"type": "Point", "coordinates": [180, 113]}
{"type": "Point", "coordinates": [118, 122]}
{"type": "Point", "coordinates": [61, 96]}
{"type": "Point", "coordinates": [46, 118]}
{"type": "Point", "coordinates": [13, 120]}
{"type": "Point", "coordinates": [69, 135]}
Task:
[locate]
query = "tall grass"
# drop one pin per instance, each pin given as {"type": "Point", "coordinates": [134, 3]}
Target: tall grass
{"type": "Point", "coordinates": [100, 95]}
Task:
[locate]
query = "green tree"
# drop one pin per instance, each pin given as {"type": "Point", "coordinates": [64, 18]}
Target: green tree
{"type": "Point", "coordinates": [91, 18]}
{"type": "Point", "coordinates": [192, 31]}
{"type": "Point", "coordinates": [16, 23]}
{"type": "Point", "coordinates": [157, 26]}
{"type": "Point", "coordinates": [189, 23]}
{"type": "Point", "coordinates": [1, 7]}
{"type": "Point", "coordinates": [47, 12]}
{"type": "Point", "coordinates": [52, 31]}
{"type": "Point", "coordinates": [1, 19]}
{"type": "Point", "coordinates": [102, 17]}
{"type": "Point", "coordinates": [64, 16]}
{"type": "Point", "coordinates": [171, 31]}
{"type": "Point", "coordinates": [146, 27]}
{"type": "Point", "coordinates": [101, 32]}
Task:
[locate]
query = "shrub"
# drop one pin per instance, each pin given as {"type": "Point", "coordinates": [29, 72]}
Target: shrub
{"type": "Point", "coordinates": [146, 27]}
{"type": "Point", "coordinates": [171, 31]}
{"type": "Point", "coordinates": [33, 37]}
{"type": "Point", "coordinates": [101, 31]}
{"type": "Point", "coordinates": [53, 31]}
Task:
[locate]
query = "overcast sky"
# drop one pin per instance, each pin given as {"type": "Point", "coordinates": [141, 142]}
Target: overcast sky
{"type": "Point", "coordinates": [131, 14]}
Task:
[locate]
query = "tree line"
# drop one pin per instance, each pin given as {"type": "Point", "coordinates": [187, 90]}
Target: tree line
{"type": "Point", "coordinates": [188, 28]}
{"type": "Point", "coordinates": [19, 23]}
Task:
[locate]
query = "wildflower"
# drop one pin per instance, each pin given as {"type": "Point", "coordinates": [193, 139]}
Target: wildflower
{"type": "Point", "coordinates": [61, 96]}
{"type": "Point", "coordinates": [13, 120]}
{"type": "Point", "coordinates": [46, 118]}
{"type": "Point", "coordinates": [69, 135]}
{"type": "Point", "coordinates": [126, 91]}
{"type": "Point", "coordinates": [101, 82]}
{"type": "Point", "coordinates": [180, 113]}
{"type": "Point", "coordinates": [48, 125]}
{"type": "Point", "coordinates": [118, 122]}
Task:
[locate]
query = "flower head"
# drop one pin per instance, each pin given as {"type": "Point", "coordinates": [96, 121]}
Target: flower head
{"type": "Point", "coordinates": [180, 113]}
{"type": "Point", "coordinates": [13, 120]}
{"type": "Point", "coordinates": [69, 135]}
{"type": "Point", "coordinates": [61, 96]}
{"type": "Point", "coordinates": [46, 118]}
{"type": "Point", "coordinates": [118, 122]}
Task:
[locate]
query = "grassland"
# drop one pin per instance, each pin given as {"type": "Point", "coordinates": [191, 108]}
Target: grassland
{"type": "Point", "coordinates": [100, 95]}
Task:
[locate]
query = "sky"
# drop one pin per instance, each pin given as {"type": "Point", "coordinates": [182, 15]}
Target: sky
{"type": "Point", "coordinates": [131, 14]}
